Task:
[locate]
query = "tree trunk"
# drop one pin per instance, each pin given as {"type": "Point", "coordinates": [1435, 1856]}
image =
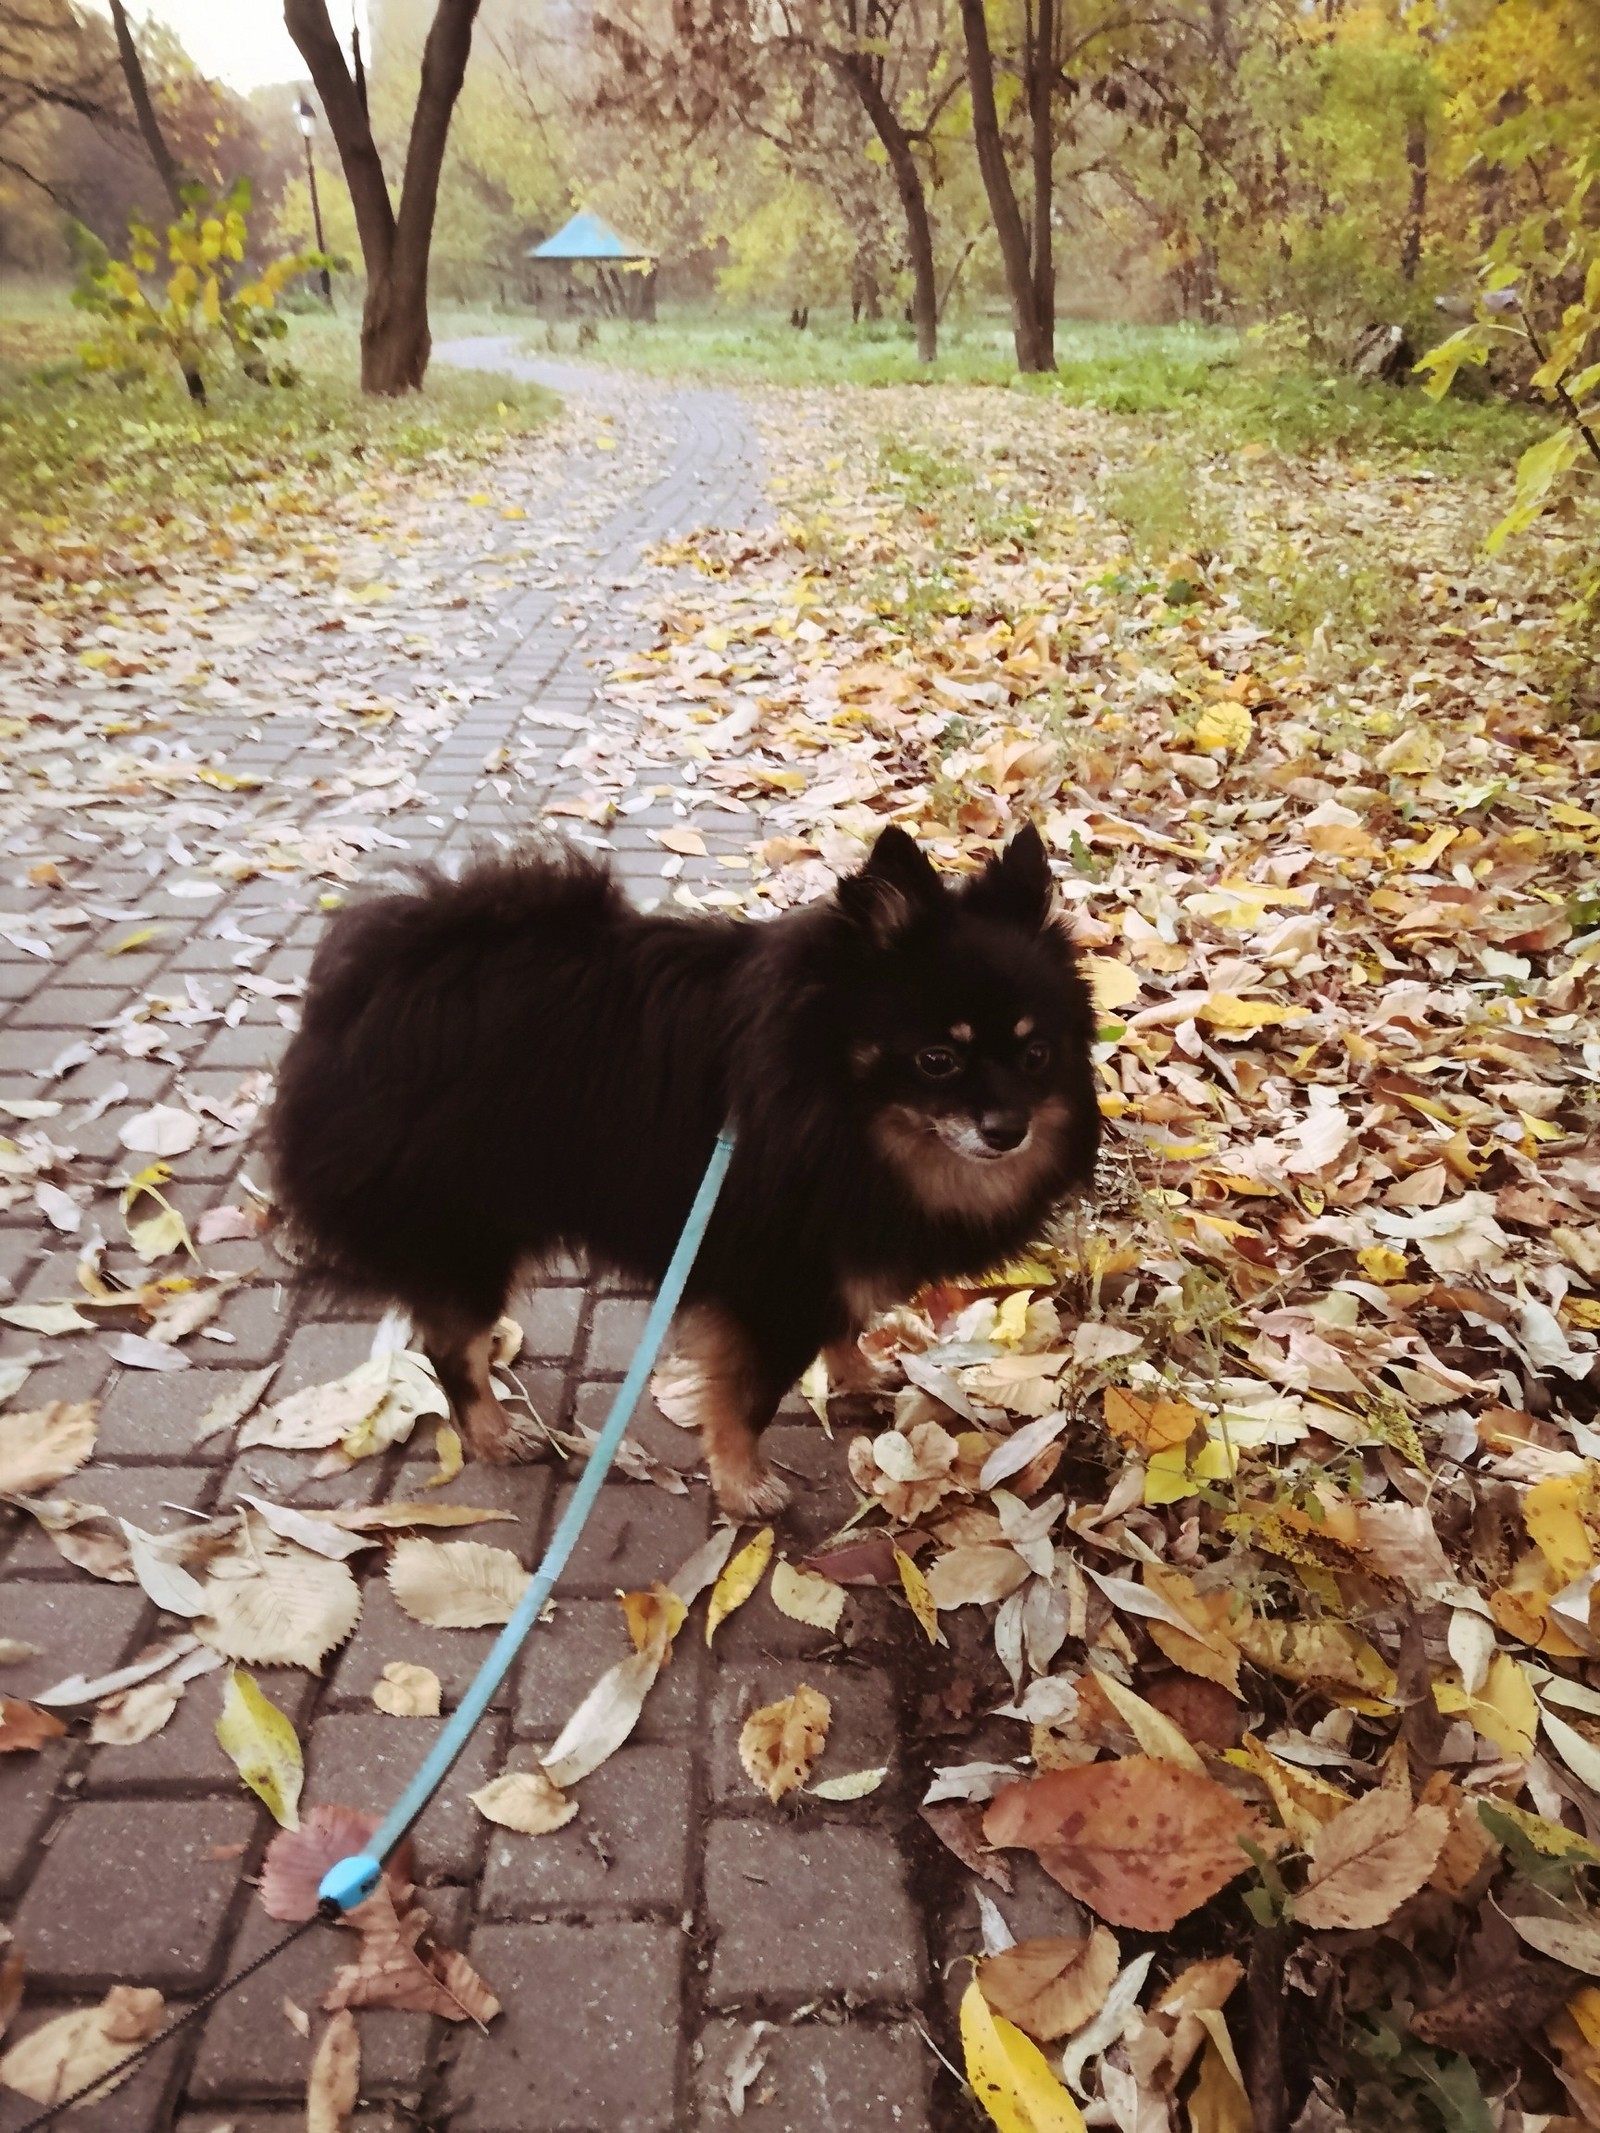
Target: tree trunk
{"type": "Point", "coordinates": [1003, 207]}
{"type": "Point", "coordinates": [1041, 116]}
{"type": "Point", "coordinates": [145, 111]}
{"type": "Point", "coordinates": [395, 341]}
{"type": "Point", "coordinates": [1417, 157]}
{"type": "Point", "coordinates": [858, 69]}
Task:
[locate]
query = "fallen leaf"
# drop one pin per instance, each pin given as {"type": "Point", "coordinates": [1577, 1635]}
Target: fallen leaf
{"type": "Point", "coordinates": [966, 1577]}
{"type": "Point", "coordinates": [323, 1536]}
{"type": "Point", "coordinates": [1367, 1860]}
{"type": "Point", "coordinates": [456, 1584]}
{"type": "Point", "coordinates": [135, 1714]}
{"type": "Point", "coordinates": [263, 1747]}
{"type": "Point", "coordinates": [373, 1406]}
{"type": "Point", "coordinates": [805, 1597]}
{"type": "Point", "coordinates": [233, 1405]}
{"type": "Point", "coordinates": [854, 1785]}
{"type": "Point", "coordinates": [604, 1719]}
{"type": "Point", "coordinates": [39, 1448]}
{"type": "Point", "coordinates": [1142, 1842]}
{"type": "Point", "coordinates": [524, 1800]}
{"type": "Point", "coordinates": [24, 1727]}
{"type": "Point", "coordinates": [399, 1967]}
{"type": "Point", "coordinates": [335, 2079]}
{"type": "Point", "coordinates": [1573, 1941]}
{"type": "Point", "coordinates": [1051, 1987]}
{"type": "Point", "coordinates": [165, 1581]}
{"type": "Point", "coordinates": [163, 1130]}
{"type": "Point", "coordinates": [296, 1860]}
{"type": "Point", "coordinates": [779, 1743]}
{"type": "Point", "coordinates": [278, 1606]}
{"type": "Point", "coordinates": [736, 1584]}
{"type": "Point", "coordinates": [1152, 1729]}
{"type": "Point", "coordinates": [915, 1587]}
{"type": "Point", "coordinates": [1009, 2075]}
{"type": "Point", "coordinates": [61, 2056]}
{"type": "Point", "coordinates": [407, 1691]}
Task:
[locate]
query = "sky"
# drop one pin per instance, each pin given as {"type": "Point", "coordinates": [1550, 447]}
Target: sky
{"type": "Point", "coordinates": [240, 42]}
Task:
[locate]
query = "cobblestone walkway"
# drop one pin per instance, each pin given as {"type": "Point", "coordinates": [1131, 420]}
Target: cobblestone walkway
{"type": "Point", "coordinates": [634, 1949]}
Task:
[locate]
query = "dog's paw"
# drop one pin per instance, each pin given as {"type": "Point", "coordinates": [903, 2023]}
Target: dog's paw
{"type": "Point", "coordinates": [753, 1492]}
{"type": "Point", "coordinates": [497, 1439]}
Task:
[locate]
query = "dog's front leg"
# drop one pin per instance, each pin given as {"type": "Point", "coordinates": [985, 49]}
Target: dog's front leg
{"type": "Point", "coordinates": [735, 1385]}
{"type": "Point", "coordinates": [460, 1349]}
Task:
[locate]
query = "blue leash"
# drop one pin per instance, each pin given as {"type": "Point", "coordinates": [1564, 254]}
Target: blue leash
{"type": "Point", "coordinates": [350, 1881]}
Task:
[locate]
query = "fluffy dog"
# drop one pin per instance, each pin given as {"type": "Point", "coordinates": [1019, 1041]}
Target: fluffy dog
{"type": "Point", "coordinates": [498, 1068]}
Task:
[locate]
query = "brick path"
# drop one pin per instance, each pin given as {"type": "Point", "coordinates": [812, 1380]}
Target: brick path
{"type": "Point", "coordinates": [634, 1948]}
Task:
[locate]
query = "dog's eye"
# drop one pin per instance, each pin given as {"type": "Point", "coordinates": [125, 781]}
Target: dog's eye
{"type": "Point", "coordinates": [938, 1062]}
{"type": "Point", "coordinates": [1036, 1058]}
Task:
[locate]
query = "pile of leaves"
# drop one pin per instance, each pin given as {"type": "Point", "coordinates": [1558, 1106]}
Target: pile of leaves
{"type": "Point", "coordinates": [1261, 1505]}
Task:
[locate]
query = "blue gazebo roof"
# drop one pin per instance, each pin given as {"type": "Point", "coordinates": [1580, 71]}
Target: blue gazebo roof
{"type": "Point", "coordinates": [586, 236]}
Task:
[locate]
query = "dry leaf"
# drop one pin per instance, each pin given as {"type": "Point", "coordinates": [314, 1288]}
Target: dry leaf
{"type": "Point", "coordinates": [1142, 1842]}
{"type": "Point", "coordinates": [60, 2056]}
{"type": "Point", "coordinates": [1051, 1987]}
{"type": "Point", "coordinates": [604, 1719]}
{"type": "Point", "coordinates": [524, 1800]}
{"type": "Point", "coordinates": [39, 1448]}
{"type": "Point", "coordinates": [23, 1726]}
{"type": "Point", "coordinates": [958, 1825]}
{"type": "Point", "coordinates": [1366, 1861]}
{"type": "Point", "coordinates": [407, 1691]}
{"type": "Point", "coordinates": [966, 1577]}
{"type": "Point", "coordinates": [779, 1743]}
{"type": "Point", "coordinates": [278, 1606]}
{"type": "Point", "coordinates": [736, 1584]}
{"type": "Point", "coordinates": [296, 1860]}
{"type": "Point", "coordinates": [323, 1536]}
{"type": "Point", "coordinates": [335, 2079]}
{"type": "Point", "coordinates": [399, 1967]}
{"type": "Point", "coordinates": [1009, 2075]}
{"type": "Point", "coordinates": [805, 1597]}
{"type": "Point", "coordinates": [135, 1714]}
{"type": "Point", "coordinates": [263, 1747]}
{"type": "Point", "coordinates": [456, 1584]}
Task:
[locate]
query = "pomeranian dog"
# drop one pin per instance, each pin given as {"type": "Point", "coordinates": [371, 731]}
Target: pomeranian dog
{"type": "Point", "coordinates": [495, 1069]}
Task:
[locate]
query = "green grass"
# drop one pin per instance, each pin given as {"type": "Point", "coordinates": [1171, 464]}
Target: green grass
{"type": "Point", "coordinates": [85, 455]}
{"type": "Point", "coordinates": [1208, 376]}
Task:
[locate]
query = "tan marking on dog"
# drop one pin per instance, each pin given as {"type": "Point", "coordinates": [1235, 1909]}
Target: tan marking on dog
{"type": "Point", "coordinates": [848, 1369]}
{"type": "Point", "coordinates": [962, 1032]}
{"type": "Point", "coordinates": [461, 1363]}
{"type": "Point", "coordinates": [1025, 1027]}
{"type": "Point", "coordinates": [720, 1400]}
{"type": "Point", "coordinates": [950, 1182]}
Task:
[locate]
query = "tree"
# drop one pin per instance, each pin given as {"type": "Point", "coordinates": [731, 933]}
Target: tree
{"type": "Point", "coordinates": [1027, 269]}
{"type": "Point", "coordinates": [144, 110]}
{"type": "Point", "coordinates": [395, 243]}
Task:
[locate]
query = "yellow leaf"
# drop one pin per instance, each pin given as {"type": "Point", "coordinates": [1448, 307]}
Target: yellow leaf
{"type": "Point", "coordinates": [915, 1587]}
{"type": "Point", "coordinates": [407, 1691]}
{"type": "Point", "coordinates": [447, 1448]}
{"type": "Point", "coordinates": [1553, 1839]}
{"type": "Point", "coordinates": [1552, 1511]}
{"type": "Point", "coordinates": [1011, 1320]}
{"type": "Point", "coordinates": [1010, 2076]}
{"type": "Point", "coordinates": [779, 1743]}
{"type": "Point", "coordinates": [806, 1596]}
{"type": "Point", "coordinates": [1332, 1655]}
{"type": "Point", "coordinates": [688, 843]}
{"type": "Point", "coordinates": [1152, 1425]}
{"type": "Point", "coordinates": [1152, 1729]}
{"type": "Point", "coordinates": [654, 1618]}
{"type": "Point", "coordinates": [1224, 725]}
{"type": "Point", "coordinates": [1380, 1263]}
{"type": "Point", "coordinates": [1218, 2102]}
{"type": "Point", "coordinates": [136, 939]}
{"type": "Point", "coordinates": [739, 1580]}
{"type": "Point", "coordinates": [1225, 1010]}
{"type": "Point", "coordinates": [263, 1747]}
{"type": "Point", "coordinates": [481, 496]}
{"type": "Point", "coordinates": [1112, 983]}
{"type": "Point", "coordinates": [1504, 1710]}
{"type": "Point", "coordinates": [1304, 1801]}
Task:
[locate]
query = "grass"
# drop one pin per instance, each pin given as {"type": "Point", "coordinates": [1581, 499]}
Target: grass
{"type": "Point", "coordinates": [1206, 376]}
{"type": "Point", "coordinates": [85, 455]}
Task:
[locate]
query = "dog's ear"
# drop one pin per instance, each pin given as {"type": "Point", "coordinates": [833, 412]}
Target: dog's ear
{"type": "Point", "coordinates": [1015, 886]}
{"type": "Point", "coordinates": [894, 889]}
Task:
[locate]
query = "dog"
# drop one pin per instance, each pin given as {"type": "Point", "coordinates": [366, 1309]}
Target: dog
{"type": "Point", "coordinates": [516, 1063]}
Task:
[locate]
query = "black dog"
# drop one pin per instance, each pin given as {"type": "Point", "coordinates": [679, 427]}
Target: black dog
{"type": "Point", "coordinates": [493, 1069]}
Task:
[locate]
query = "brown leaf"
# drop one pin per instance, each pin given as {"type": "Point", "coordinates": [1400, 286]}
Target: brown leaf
{"type": "Point", "coordinates": [779, 1743]}
{"type": "Point", "coordinates": [335, 2080]}
{"type": "Point", "coordinates": [958, 1825]}
{"type": "Point", "coordinates": [1142, 1842]}
{"type": "Point", "coordinates": [399, 1967]}
{"type": "Point", "coordinates": [866, 1562]}
{"type": "Point", "coordinates": [24, 1726]}
{"type": "Point", "coordinates": [1500, 1997]}
{"type": "Point", "coordinates": [1203, 1711]}
{"type": "Point", "coordinates": [1051, 1987]}
{"type": "Point", "coordinates": [297, 1859]}
{"type": "Point", "coordinates": [12, 1971]}
{"type": "Point", "coordinates": [1369, 1859]}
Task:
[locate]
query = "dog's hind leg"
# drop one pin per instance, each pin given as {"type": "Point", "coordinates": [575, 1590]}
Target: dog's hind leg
{"type": "Point", "coordinates": [731, 1395]}
{"type": "Point", "coordinates": [459, 1345]}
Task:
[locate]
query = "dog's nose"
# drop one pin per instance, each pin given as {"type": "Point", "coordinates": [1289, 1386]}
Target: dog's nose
{"type": "Point", "coordinates": [1003, 1130]}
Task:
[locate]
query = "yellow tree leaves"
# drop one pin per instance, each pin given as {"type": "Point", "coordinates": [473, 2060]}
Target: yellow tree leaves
{"type": "Point", "coordinates": [740, 1579]}
{"type": "Point", "coordinates": [1009, 2074]}
{"type": "Point", "coordinates": [263, 1747]}
{"type": "Point", "coordinates": [779, 1743]}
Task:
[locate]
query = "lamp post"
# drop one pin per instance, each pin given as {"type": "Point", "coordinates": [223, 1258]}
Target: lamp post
{"type": "Point", "coordinates": [306, 120]}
